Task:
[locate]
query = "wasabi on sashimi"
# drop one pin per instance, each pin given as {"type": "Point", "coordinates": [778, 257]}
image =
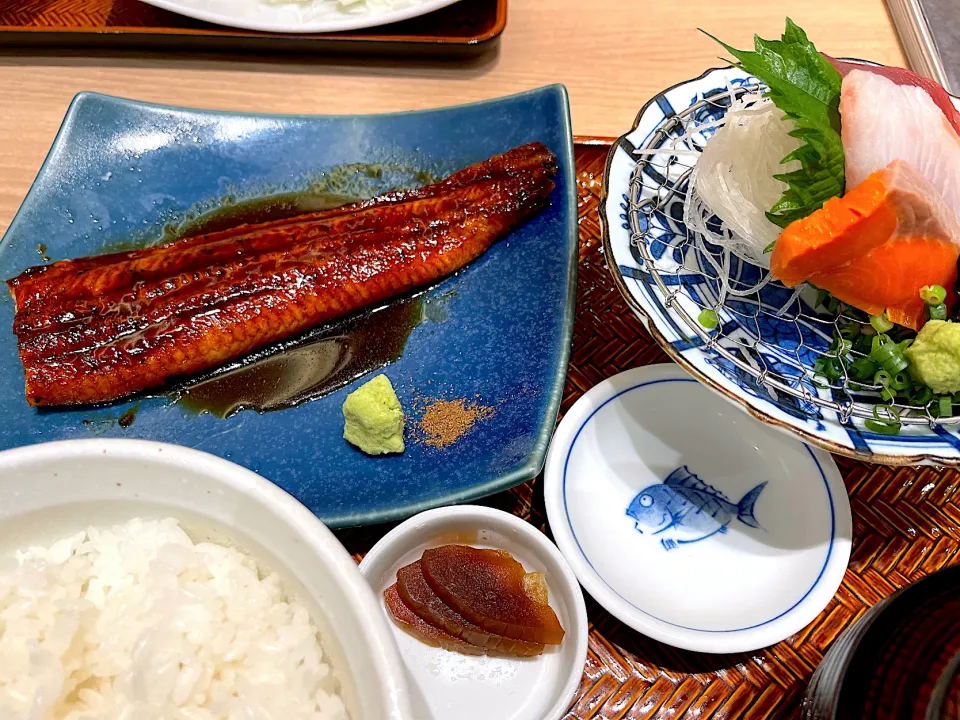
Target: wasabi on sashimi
{"type": "Point", "coordinates": [935, 356]}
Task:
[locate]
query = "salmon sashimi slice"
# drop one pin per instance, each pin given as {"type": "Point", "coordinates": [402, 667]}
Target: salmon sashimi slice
{"type": "Point", "coordinates": [420, 597]}
{"type": "Point", "coordinates": [841, 231]}
{"type": "Point", "coordinates": [883, 121]}
{"type": "Point", "coordinates": [487, 587]}
{"type": "Point", "coordinates": [93, 330]}
{"type": "Point", "coordinates": [889, 278]}
{"type": "Point", "coordinates": [408, 621]}
{"type": "Point", "coordinates": [875, 247]}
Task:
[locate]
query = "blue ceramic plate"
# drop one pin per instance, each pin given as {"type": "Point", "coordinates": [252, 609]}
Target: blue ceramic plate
{"type": "Point", "coordinates": [497, 333]}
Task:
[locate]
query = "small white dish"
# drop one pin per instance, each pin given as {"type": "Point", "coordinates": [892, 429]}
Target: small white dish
{"type": "Point", "coordinates": [449, 686]}
{"type": "Point", "coordinates": [292, 17]}
{"type": "Point", "coordinates": [56, 489]}
{"type": "Point", "coordinates": [691, 522]}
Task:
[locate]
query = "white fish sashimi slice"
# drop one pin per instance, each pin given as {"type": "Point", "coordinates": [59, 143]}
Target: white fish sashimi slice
{"type": "Point", "coordinates": [883, 122]}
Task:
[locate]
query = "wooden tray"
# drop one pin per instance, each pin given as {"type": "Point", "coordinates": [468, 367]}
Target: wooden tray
{"type": "Point", "coordinates": [906, 524]}
{"type": "Point", "coordinates": [466, 28]}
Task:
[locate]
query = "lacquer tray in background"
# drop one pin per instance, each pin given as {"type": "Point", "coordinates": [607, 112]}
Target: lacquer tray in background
{"type": "Point", "coordinates": [906, 525]}
{"type": "Point", "coordinates": [466, 28]}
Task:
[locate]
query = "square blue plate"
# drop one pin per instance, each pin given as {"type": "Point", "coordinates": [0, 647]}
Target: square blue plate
{"type": "Point", "coordinates": [121, 169]}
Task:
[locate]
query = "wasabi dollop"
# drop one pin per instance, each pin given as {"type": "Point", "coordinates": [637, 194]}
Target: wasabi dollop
{"type": "Point", "coordinates": [373, 418]}
{"type": "Point", "coordinates": [935, 356]}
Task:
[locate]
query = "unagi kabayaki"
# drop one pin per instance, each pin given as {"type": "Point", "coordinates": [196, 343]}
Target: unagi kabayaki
{"type": "Point", "coordinates": [100, 328]}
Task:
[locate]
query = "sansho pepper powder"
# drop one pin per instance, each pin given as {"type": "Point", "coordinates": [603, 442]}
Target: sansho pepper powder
{"type": "Point", "coordinates": [446, 421]}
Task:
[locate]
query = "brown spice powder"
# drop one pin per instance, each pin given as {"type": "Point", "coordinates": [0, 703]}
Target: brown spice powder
{"type": "Point", "coordinates": [446, 421]}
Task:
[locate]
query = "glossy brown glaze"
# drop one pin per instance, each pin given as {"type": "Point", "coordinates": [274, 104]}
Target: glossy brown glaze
{"type": "Point", "coordinates": [417, 594]}
{"type": "Point", "coordinates": [97, 329]}
{"type": "Point", "coordinates": [489, 589]}
{"type": "Point", "coordinates": [419, 628]}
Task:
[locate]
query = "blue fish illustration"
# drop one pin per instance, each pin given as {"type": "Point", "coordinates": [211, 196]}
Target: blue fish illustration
{"type": "Point", "coordinates": [689, 509]}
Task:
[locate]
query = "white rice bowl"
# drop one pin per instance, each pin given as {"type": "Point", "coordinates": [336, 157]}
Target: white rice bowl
{"type": "Point", "coordinates": [138, 622]}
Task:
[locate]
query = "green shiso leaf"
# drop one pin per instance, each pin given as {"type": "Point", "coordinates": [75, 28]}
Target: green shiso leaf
{"type": "Point", "coordinates": [803, 84]}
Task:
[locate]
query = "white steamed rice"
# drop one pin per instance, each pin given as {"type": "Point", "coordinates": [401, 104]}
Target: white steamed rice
{"type": "Point", "coordinates": [137, 622]}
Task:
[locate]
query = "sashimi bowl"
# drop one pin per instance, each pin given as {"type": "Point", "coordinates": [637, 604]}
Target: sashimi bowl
{"type": "Point", "coordinates": [166, 581]}
{"type": "Point", "coordinates": [760, 344]}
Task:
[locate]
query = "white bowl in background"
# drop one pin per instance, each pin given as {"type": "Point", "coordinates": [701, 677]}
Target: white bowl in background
{"type": "Point", "coordinates": [292, 17]}
{"type": "Point", "coordinates": [449, 686]}
{"type": "Point", "coordinates": [54, 489]}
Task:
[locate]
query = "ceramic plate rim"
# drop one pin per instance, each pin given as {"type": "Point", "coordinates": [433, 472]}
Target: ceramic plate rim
{"type": "Point", "coordinates": [727, 641]}
{"type": "Point", "coordinates": [537, 458]}
{"type": "Point", "coordinates": [348, 22]}
{"type": "Point", "coordinates": [900, 459]}
{"type": "Point", "coordinates": [481, 514]}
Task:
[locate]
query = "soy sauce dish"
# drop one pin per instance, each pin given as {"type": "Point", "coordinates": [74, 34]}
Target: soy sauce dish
{"type": "Point", "coordinates": [448, 685]}
{"type": "Point", "coordinates": [149, 560]}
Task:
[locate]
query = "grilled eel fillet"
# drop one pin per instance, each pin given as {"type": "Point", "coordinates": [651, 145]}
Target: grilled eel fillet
{"type": "Point", "coordinates": [96, 329]}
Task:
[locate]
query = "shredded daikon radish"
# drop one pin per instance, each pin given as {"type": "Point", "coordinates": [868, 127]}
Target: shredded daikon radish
{"type": "Point", "coordinates": [734, 179]}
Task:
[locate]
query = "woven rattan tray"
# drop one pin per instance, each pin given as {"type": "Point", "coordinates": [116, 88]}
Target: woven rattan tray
{"type": "Point", "coordinates": [906, 524]}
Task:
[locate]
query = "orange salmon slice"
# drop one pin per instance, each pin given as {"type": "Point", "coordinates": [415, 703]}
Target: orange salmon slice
{"type": "Point", "coordinates": [876, 246]}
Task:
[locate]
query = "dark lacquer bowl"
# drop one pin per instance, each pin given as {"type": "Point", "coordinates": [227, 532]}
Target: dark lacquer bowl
{"type": "Point", "coordinates": [900, 660]}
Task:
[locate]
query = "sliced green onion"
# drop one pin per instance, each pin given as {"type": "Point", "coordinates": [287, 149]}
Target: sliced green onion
{"type": "Point", "coordinates": [919, 394]}
{"type": "Point", "coordinates": [883, 379]}
{"type": "Point", "coordinates": [708, 319]}
{"type": "Point", "coordinates": [827, 367]}
{"type": "Point", "coordinates": [881, 323]}
{"type": "Point", "coordinates": [937, 312]}
{"type": "Point", "coordinates": [863, 369]}
{"type": "Point", "coordinates": [901, 381]}
{"type": "Point", "coordinates": [888, 425]}
{"type": "Point", "coordinates": [945, 406]}
{"type": "Point", "coordinates": [882, 428]}
{"type": "Point", "coordinates": [877, 341]}
{"type": "Point", "coordinates": [850, 331]}
{"type": "Point", "coordinates": [862, 344]}
{"type": "Point", "coordinates": [933, 294]}
{"type": "Point", "coordinates": [888, 355]}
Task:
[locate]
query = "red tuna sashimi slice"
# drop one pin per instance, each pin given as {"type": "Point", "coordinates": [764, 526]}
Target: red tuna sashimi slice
{"type": "Point", "coordinates": [883, 121]}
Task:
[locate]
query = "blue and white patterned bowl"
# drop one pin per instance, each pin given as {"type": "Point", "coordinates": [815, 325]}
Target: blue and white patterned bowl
{"type": "Point", "coordinates": [761, 355]}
